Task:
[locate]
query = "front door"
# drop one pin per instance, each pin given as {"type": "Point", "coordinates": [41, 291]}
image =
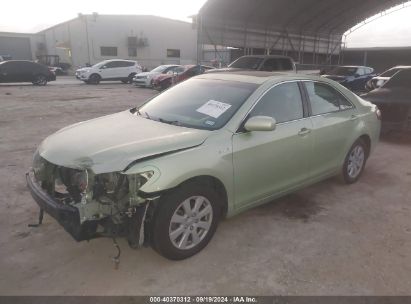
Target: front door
{"type": "Point", "coordinates": [271, 162]}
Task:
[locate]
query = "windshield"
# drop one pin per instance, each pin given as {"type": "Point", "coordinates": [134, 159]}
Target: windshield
{"type": "Point", "coordinates": [389, 73]}
{"type": "Point", "coordinates": [249, 63]}
{"type": "Point", "coordinates": [343, 71]}
{"type": "Point", "coordinates": [159, 69]}
{"type": "Point", "coordinates": [400, 79]}
{"type": "Point", "coordinates": [99, 65]}
{"type": "Point", "coordinates": [198, 103]}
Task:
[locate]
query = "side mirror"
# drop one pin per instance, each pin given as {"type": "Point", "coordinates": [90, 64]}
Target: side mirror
{"type": "Point", "coordinates": [260, 123]}
{"type": "Point", "coordinates": [103, 67]}
{"type": "Point", "coordinates": [356, 75]}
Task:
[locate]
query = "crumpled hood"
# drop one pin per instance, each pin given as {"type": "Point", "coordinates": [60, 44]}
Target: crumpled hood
{"type": "Point", "coordinates": [110, 143]}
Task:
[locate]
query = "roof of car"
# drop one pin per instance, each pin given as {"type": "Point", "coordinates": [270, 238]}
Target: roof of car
{"type": "Point", "coordinates": [401, 67]}
{"type": "Point", "coordinates": [354, 66]}
{"type": "Point", "coordinates": [267, 56]}
{"type": "Point", "coordinates": [119, 59]}
{"type": "Point", "coordinates": [258, 77]}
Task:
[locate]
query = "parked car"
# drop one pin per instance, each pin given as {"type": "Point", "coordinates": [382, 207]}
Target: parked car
{"type": "Point", "coordinates": [353, 78]}
{"type": "Point", "coordinates": [25, 71]}
{"type": "Point", "coordinates": [164, 81]}
{"type": "Point", "coordinates": [115, 69]}
{"type": "Point", "coordinates": [57, 70]}
{"type": "Point", "coordinates": [380, 80]}
{"type": "Point", "coordinates": [267, 63]}
{"type": "Point", "coordinates": [144, 79]}
{"type": "Point", "coordinates": [394, 101]}
{"type": "Point", "coordinates": [5, 57]}
{"type": "Point", "coordinates": [210, 147]}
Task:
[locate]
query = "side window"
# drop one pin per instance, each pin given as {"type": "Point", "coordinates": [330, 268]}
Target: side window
{"type": "Point", "coordinates": [271, 65]}
{"type": "Point", "coordinates": [282, 102]}
{"type": "Point", "coordinates": [113, 64]}
{"type": "Point", "coordinates": [179, 70]}
{"type": "Point", "coordinates": [360, 71]}
{"type": "Point", "coordinates": [325, 99]}
{"type": "Point", "coordinates": [286, 64]}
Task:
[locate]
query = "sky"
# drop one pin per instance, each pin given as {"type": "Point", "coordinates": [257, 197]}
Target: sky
{"type": "Point", "coordinates": [32, 16]}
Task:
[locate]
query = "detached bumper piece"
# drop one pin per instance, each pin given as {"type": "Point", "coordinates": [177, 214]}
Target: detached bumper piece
{"type": "Point", "coordinates": [67, 216]}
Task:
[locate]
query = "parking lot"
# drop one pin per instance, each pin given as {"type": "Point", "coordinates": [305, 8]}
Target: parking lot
{"type": "Point", "coordinates": [328, 239]}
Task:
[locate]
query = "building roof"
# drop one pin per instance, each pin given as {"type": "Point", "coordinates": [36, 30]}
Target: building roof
{"type": "Point", "coordinates": [307, 16]}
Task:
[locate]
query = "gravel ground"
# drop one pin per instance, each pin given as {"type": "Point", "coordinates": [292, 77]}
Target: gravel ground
{"type": "Point", "coordinates": [328, 239]}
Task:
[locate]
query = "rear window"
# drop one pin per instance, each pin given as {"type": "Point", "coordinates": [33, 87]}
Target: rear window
{"type": "Point", "coordinates": [401, 79]}
{"type": "Point", "coordinates": [249, 63]}
{"type": "Point", "coordinates": [389, 73]}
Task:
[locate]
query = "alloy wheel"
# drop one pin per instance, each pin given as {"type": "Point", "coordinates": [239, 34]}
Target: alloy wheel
{"type": "Point", "coordinates": [190, 222]}
{"type": "Point", "coordinates": [356, 161]}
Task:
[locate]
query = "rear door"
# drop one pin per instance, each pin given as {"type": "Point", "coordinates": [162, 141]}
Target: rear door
{"type": "Point", "coordinates": [334, 121]}
{"type": "Point", "coordinates": [270, 162]}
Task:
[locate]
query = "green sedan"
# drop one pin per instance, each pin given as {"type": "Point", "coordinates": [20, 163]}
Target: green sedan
{"type": "Point", "coordinates": [164, 174]}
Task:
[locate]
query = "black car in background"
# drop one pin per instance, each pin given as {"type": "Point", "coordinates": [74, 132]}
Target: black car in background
{"type": "Point", "coordinates": [381, 79]}
{"type": "Point", "coordinates": [25, 71]}
{"type": "Point", "coordinates": [353, 78]}
{"type": "Point", "coordinates": [394, 101]}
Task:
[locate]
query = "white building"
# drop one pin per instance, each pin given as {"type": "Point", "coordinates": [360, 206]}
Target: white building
{"type": "Point", "coordinates": [92, 38]}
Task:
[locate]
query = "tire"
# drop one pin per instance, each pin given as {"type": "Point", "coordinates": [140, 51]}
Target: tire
{"type": "Point", "coordinates": [94, 79]}
{"type": "Point", "coordinates": [176, 233]}
{"type": "Point", "coordinates": [354, 162]}
{"type": "Point", "coordinates": [164, 86]}
{"type": "Point", "coordinates": [40, 80]}
{"type": "Point", "coordinates": [130, 77]}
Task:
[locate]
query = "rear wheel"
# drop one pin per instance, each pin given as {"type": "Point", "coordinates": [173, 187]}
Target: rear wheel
{"type": "Point", "coordinates": [40, 80]}
{"type": "Point", "coordinates": [185, 221]}
{"type": "Point", "coordinates": [355, 162]}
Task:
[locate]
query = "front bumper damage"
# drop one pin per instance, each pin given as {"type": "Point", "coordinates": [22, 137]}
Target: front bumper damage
{"type": "Point", "coordinates": [66, 215]}
{"type": "Point", "coordinates": [93, 216]}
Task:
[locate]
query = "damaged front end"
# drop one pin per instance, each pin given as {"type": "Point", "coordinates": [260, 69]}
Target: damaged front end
{"type": "Point", "coordinates": [92, 205]}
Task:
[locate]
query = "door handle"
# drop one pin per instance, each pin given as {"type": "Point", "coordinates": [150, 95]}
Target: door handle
{"type": "Point", "coordinates": [304, 131]}
{"type": "Point", "coordinates": [354, 117]}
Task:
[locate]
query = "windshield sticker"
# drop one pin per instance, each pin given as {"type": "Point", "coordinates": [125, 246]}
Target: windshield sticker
{"type": "Point", "coordinates": [210, 122]}
{"type": "Point", "coordinates": [213, 108]}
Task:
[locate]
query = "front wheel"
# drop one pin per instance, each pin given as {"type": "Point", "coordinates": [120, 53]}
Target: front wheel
{"type": "Point", "coordinates": [40, 80]}
{"type": "Point", "coordinates": [94, 79]}
{"type": "Point", "coordinates": [185, 221]}
{"type": "Point", "coordinates": [354, 162]}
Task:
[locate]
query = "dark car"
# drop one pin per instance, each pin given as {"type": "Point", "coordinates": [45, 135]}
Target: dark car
{"type": "Point", "coordinates": [394, 101]}
{"type": "Point", "coordinates": [353, 78]}
{"type": "Point", "coordinates": [25, 71]}
{"type": "Point", "coordinates": [380, 80]}
{"type": "Point", "coordinates": [164, 81]}
{"type": "Point", "coordinates": [267, 63]}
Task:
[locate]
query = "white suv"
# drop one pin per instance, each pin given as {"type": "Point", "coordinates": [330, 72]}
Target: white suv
{"type": "Point", "coordinates": [115, 69]}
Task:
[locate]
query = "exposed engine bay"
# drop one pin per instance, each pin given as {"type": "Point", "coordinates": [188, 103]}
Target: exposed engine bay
{"type": "Point", "coordinates": [92, 205]}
